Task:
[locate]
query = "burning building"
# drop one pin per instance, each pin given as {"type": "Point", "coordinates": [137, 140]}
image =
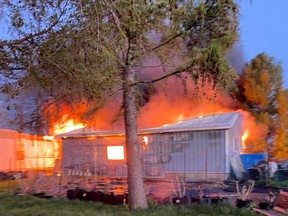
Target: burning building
{"type": "Point", "coordinates": [201, 148]}
{"type": "Point", "coordinates": [21, 151]}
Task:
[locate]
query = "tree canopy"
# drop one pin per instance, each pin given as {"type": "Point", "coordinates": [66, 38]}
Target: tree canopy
{"type": "Point", "coordinates": [261, 93]}
{"type": "Point", "coordinates": [280, 144]}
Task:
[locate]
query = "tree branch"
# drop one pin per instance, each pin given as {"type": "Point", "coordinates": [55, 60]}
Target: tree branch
{"type": "Point", "coordinates": [11, 68]}
{"type": "Point", "coordinates": [13, 42]}
{"type": "Point", "coordinates": [175, 72]}
{"type": "Point", "coordinates": [166, 42]}
{"type": "Point", "coordinates": [18, 41]}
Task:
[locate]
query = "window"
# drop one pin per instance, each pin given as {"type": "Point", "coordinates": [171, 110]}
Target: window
{"type": "Point", "coordinates": [115, 152]}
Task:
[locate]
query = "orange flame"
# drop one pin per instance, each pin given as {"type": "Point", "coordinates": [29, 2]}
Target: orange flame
{"type": "Point", "coordinates": [158, 110]}
{"type": "Point", "coordinates": [67, 126]}
{"type": "Point", "coordinates": [180, 118]}
{"type": "Point", "coordinates": [244, 138]}
{"type": "Point", "coordinates": [145, 140]}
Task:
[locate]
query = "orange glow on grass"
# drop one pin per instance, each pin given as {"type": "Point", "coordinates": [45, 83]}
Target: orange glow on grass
{"type": "Point", "coordinates": [115, 152]}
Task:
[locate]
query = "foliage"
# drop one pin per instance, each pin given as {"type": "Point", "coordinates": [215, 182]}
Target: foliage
{"type": "Point", "coordinates": [283, 184]}
{"type": "Point", "coordinates": [259, 87]}
{"type": "Point", "coordinates": [27, 205]}
{"type": "Point", "coordinates": [280, 145]}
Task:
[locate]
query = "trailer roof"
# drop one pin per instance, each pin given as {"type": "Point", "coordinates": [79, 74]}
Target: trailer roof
{"type": "Point", "coordinates": [207, 122]}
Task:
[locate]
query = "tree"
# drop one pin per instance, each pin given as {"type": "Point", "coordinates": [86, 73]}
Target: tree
{"type": "Point", "coordinates": [92, 50]}
{"type": "Point", "coordinates": [280, 145]}
{"type": "Point", "coordinates": [259, 86]}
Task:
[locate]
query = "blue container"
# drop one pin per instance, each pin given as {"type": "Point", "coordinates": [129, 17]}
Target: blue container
{"type": "Point", "coordinates": [251, 160]}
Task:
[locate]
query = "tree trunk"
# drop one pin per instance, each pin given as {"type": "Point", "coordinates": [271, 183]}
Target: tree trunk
{"type": "Point", "coordinates": [136, 193]}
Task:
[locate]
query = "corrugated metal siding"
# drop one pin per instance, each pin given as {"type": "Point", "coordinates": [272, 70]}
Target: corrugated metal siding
{"type": "Point", "coordinates": [179, 152]}
{"type": "Point", "coordinates": [234, 144]}
{"type": "Point", "coordinates": [200, 151]}
{"type": "Point", "coordinates": [234, 147]}
{"type": "Point", "coordinates": [90, 155]}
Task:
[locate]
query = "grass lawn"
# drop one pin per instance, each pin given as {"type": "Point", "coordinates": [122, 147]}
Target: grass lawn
{"type": "Point", "coordinates": [282, 184]}
{"type": "Point", "coordinates": [24, 205]}
{"type": "Point", "coordinates": [11, 205]}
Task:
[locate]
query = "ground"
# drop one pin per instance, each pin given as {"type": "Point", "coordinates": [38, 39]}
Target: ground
{"type": "Point", "coordinates": [160, 190]}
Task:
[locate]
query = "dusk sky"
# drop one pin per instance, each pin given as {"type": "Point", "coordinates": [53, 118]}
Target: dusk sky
{"type": "Point", "coordinates": [264, 28]}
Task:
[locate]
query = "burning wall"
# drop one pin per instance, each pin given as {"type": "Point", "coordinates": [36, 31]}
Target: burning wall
{"type": "Point", "coordinates": [20, 151]}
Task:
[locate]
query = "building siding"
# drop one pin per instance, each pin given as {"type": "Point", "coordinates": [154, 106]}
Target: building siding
{"type": "Point", "coordinates": [200, 151]}
{"type": "Point", "coordinates": [181, 152]}
{"type": "Point", "coordinates": [199, 155]}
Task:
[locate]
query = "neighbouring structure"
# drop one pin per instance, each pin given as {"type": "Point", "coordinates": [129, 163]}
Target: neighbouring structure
{"type": "Point", "coordinates": [21, 151]}
{"type": "Point", "coordinates": [202, 148]}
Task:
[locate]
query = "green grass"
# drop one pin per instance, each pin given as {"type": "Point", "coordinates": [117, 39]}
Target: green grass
{"type": "Point", "coordinates": [11, 205]}
{"type": "Point", "coordinates": [278, 183]}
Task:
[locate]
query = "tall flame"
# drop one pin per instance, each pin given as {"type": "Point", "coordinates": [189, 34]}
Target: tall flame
{"type": "Point", "coordinates": [244, 138]}
{"type": "Point", "coordinates": [145, 140]}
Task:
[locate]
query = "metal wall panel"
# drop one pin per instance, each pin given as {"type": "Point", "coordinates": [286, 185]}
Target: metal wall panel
{"type": "Point", "coordinates": [90, 155]}
{"type": "Point", "coordinates": [177, 152]}
{"type": "Point", "coordinates": [202, 152]}
{"type": "Point", "coordinates": [181, 152]}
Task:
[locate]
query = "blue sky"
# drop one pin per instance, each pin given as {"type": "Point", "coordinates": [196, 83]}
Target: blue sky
{"type": "Point", "coordinates": [264, 28]}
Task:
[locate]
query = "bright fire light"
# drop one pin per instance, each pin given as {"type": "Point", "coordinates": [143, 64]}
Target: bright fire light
{"type": "Point", "coordinates": [180, 118]}
{"type": "Point", "coordinates": [244, 138]}
{"type": "Point", "coordinates": [145, 140]}
{"type": "Point", "coordinates": [67, 126]}
{"type": "Point", "coordinates": [48, 138]}
{"type": "Point", "coordinates": [115, 152]}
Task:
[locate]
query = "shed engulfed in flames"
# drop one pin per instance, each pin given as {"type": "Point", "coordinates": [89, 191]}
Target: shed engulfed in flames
{"type": "Point", "coordinates": [159, 110]}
